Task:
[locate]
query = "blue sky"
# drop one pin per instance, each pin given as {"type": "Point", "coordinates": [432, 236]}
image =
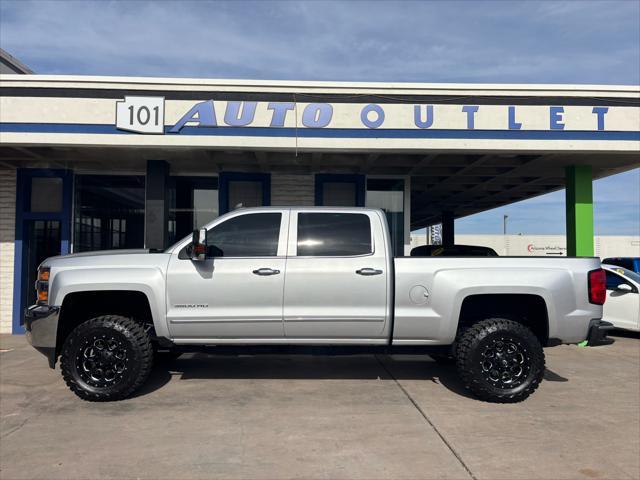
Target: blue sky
{"type": "Point", "coordinates": [455, 41]}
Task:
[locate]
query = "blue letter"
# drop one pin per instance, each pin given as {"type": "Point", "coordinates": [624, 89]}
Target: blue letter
{"type": "Point", "coordinates": [280, 110]}
{"type": "Point", "coordinates": [417, 117]}
{"type": "Point", "coordinates": [317, 115]}
{"type": "Point", "coordinates": [470, 111]}
{"type": "Point", "coordinates": [372, 123]}
{"type": "Point", "coordinates": [600, 112]}
{"type": "Point", "coordinates": [202, 113]}
{"type": "Point", "coordinates": [232, 116]}
{"type": "Point", "coordinates": [555, 118]}
{"type": "Point", "coordinates": [513, 125]}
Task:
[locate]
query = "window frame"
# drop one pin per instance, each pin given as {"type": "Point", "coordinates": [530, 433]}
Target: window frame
{"type": "Point", "coordinates": [292, 250]}
{"type": "Point", "coordinates": [180, 247]}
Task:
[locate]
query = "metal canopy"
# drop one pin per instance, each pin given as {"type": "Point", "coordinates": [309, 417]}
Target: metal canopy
{"type": "Point", "coordinates": [463, 184]}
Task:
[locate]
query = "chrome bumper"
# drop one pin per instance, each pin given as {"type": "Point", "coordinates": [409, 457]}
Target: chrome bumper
{"type": "Point", "coordinates": [41, 324]}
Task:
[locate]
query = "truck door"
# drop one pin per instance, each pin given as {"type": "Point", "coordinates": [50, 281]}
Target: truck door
{"type": "Point", "coordinates": [337, 279]}
{"type": "Point", "coordinates": [237, 292]}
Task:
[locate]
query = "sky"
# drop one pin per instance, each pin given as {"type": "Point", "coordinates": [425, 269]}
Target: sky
{"type": "Point", "coordinates": [580, 41]}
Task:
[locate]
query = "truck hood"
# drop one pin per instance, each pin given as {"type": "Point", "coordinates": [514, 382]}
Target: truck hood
{"type": "Point", "coordinates": [108, 258]}
{"type": "Point", "coordinates": [98, 253]}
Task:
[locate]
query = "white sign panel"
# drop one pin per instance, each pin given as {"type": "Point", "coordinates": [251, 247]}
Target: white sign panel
{"type": "Point", "coordinates": [140, 114]}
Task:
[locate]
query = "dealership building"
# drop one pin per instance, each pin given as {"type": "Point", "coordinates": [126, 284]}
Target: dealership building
{"type": "Point", "coordinates": [93, 163]}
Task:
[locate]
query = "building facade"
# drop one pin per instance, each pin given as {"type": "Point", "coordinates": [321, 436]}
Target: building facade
{"type": "Point", "coordinates": [94, 163]}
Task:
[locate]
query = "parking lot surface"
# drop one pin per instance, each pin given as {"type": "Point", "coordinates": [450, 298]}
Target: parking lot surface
{"type": "Point", "coordinates": [313, 417]}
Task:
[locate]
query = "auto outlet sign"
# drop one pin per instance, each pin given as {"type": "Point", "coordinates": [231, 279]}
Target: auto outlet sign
{"type": "Point", "coordinates": [154, 115]}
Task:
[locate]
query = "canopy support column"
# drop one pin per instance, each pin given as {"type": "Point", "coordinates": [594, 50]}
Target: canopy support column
{"type": "Point", "coordinates": [579, 204]}
{"type": "Point", "coordinates": [448, 229]}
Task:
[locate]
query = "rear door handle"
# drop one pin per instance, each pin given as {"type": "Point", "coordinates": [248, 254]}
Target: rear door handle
{"type": "Point", "coordinates": [368, 271]}
{"type": "Point", "coordinates": [266, 271]}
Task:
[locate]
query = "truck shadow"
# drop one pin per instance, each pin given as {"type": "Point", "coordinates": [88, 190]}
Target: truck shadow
{"type": "Point", "coordinates": [203, 366]}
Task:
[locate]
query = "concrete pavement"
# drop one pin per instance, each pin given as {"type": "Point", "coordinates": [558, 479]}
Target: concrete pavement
{"type": "Point", "coordinates": [361, 417]}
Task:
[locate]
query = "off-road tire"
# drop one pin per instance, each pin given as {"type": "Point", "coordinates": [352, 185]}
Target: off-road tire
{"type": "Point", "coordinates": [137, 359]}
{"type": "Point", "coordinates": [474, 360]}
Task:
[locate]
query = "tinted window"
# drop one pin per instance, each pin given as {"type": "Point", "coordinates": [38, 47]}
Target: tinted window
{"type": "Point", "coordinates": [333, 234]}
{"type": "Point", "coordinates": [251, 235]}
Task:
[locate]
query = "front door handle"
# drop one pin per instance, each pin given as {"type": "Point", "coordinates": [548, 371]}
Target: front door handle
{"type": "Point", "coordinates": [266, 271]}
{"type": "Point", "coordinates": [368, 271]}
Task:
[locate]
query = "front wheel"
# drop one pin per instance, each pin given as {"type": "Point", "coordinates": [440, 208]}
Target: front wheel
{"type": "Point", "coordinates": [500, 360]}
{"type": "Point", "coordinates": [106, 358]}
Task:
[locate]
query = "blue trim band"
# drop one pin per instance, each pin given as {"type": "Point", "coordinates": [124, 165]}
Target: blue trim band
{"type": "Point", "coordinates": [329, 132]}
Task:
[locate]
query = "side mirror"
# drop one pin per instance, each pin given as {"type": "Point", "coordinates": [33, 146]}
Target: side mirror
{"type": "Point", "coordinates": [623, 287]}
{"type": "Point", "coordinates": [199, 245]}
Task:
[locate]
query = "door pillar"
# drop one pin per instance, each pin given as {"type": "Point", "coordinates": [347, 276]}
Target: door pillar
{"type": "Point", "coordinates": [579, 204]}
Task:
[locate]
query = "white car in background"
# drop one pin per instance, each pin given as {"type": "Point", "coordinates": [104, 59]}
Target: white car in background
{"type": "Point", "coordinates": [622, 307]}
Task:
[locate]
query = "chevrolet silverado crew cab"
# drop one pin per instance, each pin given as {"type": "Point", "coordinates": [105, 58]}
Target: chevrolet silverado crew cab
{"type": "Point", "coordinates": [307, 277]}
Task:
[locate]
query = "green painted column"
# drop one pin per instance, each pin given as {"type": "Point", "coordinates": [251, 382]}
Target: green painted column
{"type": "Point", "coordinates": [579, 203]}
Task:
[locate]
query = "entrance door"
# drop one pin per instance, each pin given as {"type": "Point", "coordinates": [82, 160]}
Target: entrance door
{"type": "Point", "coordinates": [43, 211]}
{"type": "Point", "coordinates": [237, 291]}
{"type": "Point", "coordinates": [244, 190]}
{"type": "Point", "coordinates": [339, 190]}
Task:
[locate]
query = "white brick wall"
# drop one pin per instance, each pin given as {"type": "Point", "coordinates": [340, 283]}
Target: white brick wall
{"type": "Point", "coordinates": [7, 235]}
{"type": "Point", "coordinates": [292, 190]}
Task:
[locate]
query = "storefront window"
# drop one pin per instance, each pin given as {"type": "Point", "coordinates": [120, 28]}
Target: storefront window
{"type": "Point", "coordinates": [388, 195]}
{"type": "Point", "coordinates": [193, 202]}
{"type": "Point", "coordinates": [109, 212]}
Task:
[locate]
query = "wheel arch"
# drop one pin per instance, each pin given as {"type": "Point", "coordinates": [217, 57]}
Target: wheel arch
{"type": "Point", "coordinates": [80, 306]}
{"type": "Point", "coordinates": [528, 309]}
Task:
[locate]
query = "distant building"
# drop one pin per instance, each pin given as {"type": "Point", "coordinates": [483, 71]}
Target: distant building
{"type": "Point", "coordinates": [10, 64]}
{"type": "Point", "coordinates": [544, 245]}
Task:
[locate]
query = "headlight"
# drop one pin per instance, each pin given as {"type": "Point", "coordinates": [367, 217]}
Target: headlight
{"type": "Point", "coordinates": [42, 285]}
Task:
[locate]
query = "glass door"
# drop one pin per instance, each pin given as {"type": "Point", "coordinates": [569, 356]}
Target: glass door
{"type": "Point", "coordinates": [43, 213]}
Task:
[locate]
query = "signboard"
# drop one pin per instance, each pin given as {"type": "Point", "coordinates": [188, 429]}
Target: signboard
{"type": "Point", "coordinates": [147, 115]}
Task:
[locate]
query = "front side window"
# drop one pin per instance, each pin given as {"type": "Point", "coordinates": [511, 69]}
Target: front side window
{"type": "Point", "coordinates": [333, 234]}
{"type": "Point", "coordinates": [250, 235]}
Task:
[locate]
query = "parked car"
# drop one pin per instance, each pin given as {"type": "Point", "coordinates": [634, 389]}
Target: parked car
{"type": "Point", "coordinates": [452, 251]}
{"type": "Point", "coordinates": [309, 276]}
{"type": "Point", "coordinates": [622, 307]}
{"type": "Point", "coordinates": [630, 263]}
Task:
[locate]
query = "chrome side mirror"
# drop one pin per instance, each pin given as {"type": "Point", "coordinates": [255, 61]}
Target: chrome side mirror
{"type": "Point", "coordinates": [199, 245]}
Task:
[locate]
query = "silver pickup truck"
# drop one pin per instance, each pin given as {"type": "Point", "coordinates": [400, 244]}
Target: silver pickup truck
{"type": "Point", "coordinates": [302, 278]}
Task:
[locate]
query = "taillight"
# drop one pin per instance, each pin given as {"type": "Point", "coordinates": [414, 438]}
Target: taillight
{"type": "Point", "coordinates": [597, 286]}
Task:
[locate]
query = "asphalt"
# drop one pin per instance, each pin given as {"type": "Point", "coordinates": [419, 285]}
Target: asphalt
{"type": "Point", "coordinates": [312, 417]}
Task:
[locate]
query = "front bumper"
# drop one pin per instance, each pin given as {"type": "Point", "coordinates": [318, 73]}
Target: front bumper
{"type": "Point", "coordinates": [41, 324]}
{"type": "Point", "coordinates": [597, 335]}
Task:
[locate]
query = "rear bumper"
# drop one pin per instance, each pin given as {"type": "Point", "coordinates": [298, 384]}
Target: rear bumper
{"type": "Point", "coordinates": [41, 325]}
{"type": "Point", "coordinates": [598, 330]}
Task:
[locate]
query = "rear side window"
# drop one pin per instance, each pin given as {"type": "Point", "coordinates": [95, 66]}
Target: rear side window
{"type": "Point", "coordinates": [250, 235]}
{"type": "Point", "coordinates": [333, 234]}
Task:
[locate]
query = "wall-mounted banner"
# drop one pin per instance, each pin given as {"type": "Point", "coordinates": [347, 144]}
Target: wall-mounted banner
{"type": "Point", "coordinates": [154, 115]}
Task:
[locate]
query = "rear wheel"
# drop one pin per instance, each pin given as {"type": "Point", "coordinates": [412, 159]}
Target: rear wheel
{"type": "Point", "coordinates": [500, 360]}
{"type": "Point", "coordinates": [106, 358]}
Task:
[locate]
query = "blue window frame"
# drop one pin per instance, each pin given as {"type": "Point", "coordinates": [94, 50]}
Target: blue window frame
{"type": "Point", "coordinates": [328, 178]}
{"type": "Point", "coordinates": [230, 180]}
{"type": "Point", "coordinates": [55, 224]}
